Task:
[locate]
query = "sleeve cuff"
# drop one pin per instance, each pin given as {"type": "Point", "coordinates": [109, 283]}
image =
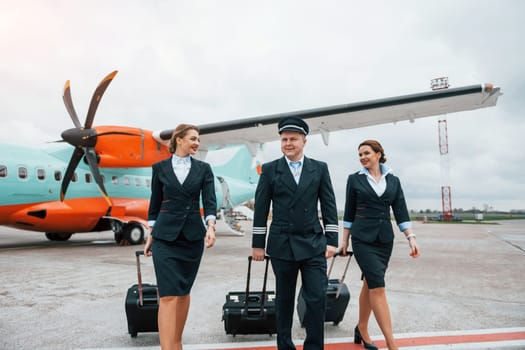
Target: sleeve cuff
{"type": "Point", "coordinates": [151, 223]}
{"type": "Point", "coordinates": [347, 224]}
{"type": "Point", "coordinates": [210, 217]}
{"type": "Point", "coordinates": [259, 237]}
{"type": "Point", "coordinates": [332, 228]}
{"type": "Point", "coordinates": [404, 225]}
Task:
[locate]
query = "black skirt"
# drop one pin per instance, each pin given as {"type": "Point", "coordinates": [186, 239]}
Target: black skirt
{"type": "Point", "coordinates": [176, 264]}
{"type": "Point", "coordinates": [372, 259]}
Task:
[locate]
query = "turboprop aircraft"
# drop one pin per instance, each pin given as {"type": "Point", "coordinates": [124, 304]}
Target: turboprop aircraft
{"type": "Point", "coordinates": [100, 180]}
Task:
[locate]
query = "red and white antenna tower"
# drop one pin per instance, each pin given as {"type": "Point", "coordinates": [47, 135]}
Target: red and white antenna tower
{"type": "Point", "coordinates": [446, 197]}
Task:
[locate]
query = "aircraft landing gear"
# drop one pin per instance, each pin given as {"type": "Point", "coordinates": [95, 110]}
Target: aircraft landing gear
{"type": "Point", "coordinates": [128, 234]}
{"type": "Point", "coordinates": [133, 233]}
{"type": "Point", "coordinates": [52, 236]}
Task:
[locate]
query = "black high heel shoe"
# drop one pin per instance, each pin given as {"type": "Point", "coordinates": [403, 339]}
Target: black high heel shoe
{"type": "Point", "coordinates": [358, 339]}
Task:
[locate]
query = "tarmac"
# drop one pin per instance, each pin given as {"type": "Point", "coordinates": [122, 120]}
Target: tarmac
{"type": "Point", "coordinates": [466, 291]}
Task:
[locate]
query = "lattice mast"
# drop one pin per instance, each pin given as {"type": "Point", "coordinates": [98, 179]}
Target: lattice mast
{"type": "Point", "coordinates": [446, 194]}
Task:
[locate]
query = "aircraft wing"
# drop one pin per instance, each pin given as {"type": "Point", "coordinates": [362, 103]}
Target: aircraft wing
{"type": "Point", "coordinates": [348, 116]}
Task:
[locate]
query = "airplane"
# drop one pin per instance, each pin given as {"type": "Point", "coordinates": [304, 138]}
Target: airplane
{"type": "Point", "coordinates": [97, 178]}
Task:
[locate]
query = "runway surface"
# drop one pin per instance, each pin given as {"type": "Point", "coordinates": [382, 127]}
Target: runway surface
{"type": "Point", "coordinates": [466, 291]}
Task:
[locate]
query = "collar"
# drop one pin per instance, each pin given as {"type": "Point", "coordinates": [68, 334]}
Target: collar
{"type": "Point", "coordinates": [384, 171]}
{"type": "Point", "coordinates": [180, 160]}
{"type": "Point", "coordinates": [300, 160]}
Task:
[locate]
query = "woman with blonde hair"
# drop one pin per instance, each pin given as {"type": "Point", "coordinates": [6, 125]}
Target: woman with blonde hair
{"type": "Point", "coordinates": [178, 234]}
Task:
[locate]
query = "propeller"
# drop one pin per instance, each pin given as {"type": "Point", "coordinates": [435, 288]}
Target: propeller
{"type": "Point", "coordinates": [84, 138]}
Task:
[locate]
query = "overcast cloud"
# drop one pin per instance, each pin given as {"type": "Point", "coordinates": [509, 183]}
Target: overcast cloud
{"type": "Point", "coordinates": [210, 61]}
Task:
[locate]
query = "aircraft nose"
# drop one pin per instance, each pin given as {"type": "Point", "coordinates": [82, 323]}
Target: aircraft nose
{"type": "Point", "coordinates": [80, 137]}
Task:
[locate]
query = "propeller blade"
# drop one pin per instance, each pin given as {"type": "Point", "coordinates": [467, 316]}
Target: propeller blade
{"type": "Point", "coordinates": [69, 105]}
{"type": "Point", "coordinates": [97, 96]}
{"type": "Point", "coordinates": [91, 157]}
{"type": "Point", "coordinates": [70, 171]}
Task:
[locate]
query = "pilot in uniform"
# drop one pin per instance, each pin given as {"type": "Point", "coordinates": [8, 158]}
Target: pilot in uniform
{"type": "Point", "coordinates": [296, 241]}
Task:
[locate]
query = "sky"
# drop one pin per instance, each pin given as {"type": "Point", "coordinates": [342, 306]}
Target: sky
{"type": "Point", "coordinates": [210, 61]}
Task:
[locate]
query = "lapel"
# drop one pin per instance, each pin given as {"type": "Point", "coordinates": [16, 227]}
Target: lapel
{"type": "Point", "coordinates": [167, 167]}
{"type": "Point", "coordinates": [366, 185]}
{"type": "Point", "coordinates": [307, 175]}
{"type": "Point", "coordinates": [286, 175]}
{"type": "Point", "coordinates": [386, 197]}
{"type": "Point", "coordinates": [192, 175]}
{"type": "Point", "coordinates": [390, 188]}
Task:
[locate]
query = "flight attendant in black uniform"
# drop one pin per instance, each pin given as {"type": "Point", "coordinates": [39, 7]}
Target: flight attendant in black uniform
{"type": "Point", "coordinates": [178, 234]}
{"type": "Point", "coordinates": [370, 193]}
{"type": "Point", "coordinates": [297, 242]}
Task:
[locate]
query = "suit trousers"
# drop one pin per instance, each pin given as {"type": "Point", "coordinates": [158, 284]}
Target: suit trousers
{"type": "Point", "coordinates": [314, 283]}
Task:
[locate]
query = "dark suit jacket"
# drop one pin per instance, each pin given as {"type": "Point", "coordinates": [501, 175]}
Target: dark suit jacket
{"type": "Point", "coordinates": [295, 232]}
{"type": "Point", "coordinates": [176, 206]}
{"type": "Point", "coordinates": [370, 214]}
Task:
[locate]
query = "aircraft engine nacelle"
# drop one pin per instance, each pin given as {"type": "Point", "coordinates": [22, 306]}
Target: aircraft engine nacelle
{"type": "Point", "coordinates": [127, 147]}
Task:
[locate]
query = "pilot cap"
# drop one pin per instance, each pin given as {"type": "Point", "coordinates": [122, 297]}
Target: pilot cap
{"type": "Point", "coordinates": [293, 124]}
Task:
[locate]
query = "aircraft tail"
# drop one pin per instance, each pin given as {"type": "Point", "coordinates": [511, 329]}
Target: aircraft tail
{"type": "Point", "coordinates": [236, 164]}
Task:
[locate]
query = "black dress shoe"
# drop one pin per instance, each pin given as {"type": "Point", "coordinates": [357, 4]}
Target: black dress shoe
{"type": "Point", "coordinates": [358, 339]}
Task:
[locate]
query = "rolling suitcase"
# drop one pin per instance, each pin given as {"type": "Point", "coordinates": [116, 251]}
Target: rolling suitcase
{"type": "Point", "coordinates": [250, 312]}
{"type": "Point", "coordinates": [142, 305]}
{"type": "Point", "coordinates": [337, 296]}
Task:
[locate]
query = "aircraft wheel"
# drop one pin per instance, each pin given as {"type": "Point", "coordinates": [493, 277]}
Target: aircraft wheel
{"type": "Point", "coordinates": [134, 233]}
{"type": "Point", "coordinates": [58, 236]}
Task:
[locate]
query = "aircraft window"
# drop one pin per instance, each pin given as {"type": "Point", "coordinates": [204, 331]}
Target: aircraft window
{"type": "Point", "coordinates": [125, 179]}
{"type": "Point", "coordinates": [3, 171]}
{"type": "Point", "coordinates": [137, 181]}
{"type": "Point", "coordinates": [58, 175]}
{"type": "Point", "coordinates": [88, 178]}
{"type": "Point", "coordinates": [114, 180]}
{"type": "Point", "coordinates": [103, 178]}
{"type": "Point", "coordinates": [22, 172]}
{"type": "Point", "coordinates": [148, 183]}
{"type": "Point", "coordinates": [75, 177]}
{"type": "Point", "coordinates": [40, 173]}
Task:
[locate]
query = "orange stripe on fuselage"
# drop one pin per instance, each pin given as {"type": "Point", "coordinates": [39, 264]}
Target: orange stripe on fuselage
{"type": "Point", "coordinates": [72, 215]}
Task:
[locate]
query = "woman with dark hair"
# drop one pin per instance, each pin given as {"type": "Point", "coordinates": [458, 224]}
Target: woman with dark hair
{"type": "Point", "coordinates": [370, 193]}
{"type": "Point", "coordinates": [178, 234]}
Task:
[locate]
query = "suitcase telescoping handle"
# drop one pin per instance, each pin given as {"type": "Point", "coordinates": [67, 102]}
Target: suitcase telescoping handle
{"type": "Point", "coordinates": [263, 295]}
{"type": "Point", "coordinates": [138, 253]}
{"type": "Point", "coordinates": [349, 254]}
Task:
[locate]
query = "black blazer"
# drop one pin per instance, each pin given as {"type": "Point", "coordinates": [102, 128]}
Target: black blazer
{"type": "Point", "coordinates": [370, 214]}
{"type": "Point", "coordinates": [295, 232]}
{"type": "Point", "coordinates": [175, 207]}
